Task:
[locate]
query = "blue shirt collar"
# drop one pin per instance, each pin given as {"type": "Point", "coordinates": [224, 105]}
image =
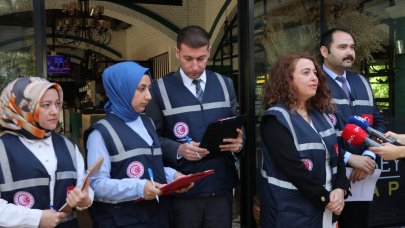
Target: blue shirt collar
{"type": "Point", "coordinates": [332, 74]}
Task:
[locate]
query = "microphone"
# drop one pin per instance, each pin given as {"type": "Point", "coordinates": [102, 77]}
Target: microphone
{"type": "Point", "coordinates": [363, 123]}
{"type": "Point", "coordinates": [356, 136]}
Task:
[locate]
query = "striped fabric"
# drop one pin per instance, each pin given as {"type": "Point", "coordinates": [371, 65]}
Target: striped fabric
{"type": "Point", "coordinates": [198, 90]}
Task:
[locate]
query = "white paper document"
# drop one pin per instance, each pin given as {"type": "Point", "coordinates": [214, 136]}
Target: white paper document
{"type": "Point", "coordinates": [363, 190]}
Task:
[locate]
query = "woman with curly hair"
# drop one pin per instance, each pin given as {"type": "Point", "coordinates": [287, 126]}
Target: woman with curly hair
{"type": "Point", "coordinates": [303, 174]}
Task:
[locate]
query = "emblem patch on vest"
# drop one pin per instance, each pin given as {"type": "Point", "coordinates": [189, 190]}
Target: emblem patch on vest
{"type": "Point", "coordinates": [135, 169]}
{"type": "Point", "coordinates": [180, 129]}
{"type": "Point", "coordinates": [332, 119]}
{"type": "Point", "coordinates": [24, 199]}
{"type": "Point", "coordinates": [308, 164]}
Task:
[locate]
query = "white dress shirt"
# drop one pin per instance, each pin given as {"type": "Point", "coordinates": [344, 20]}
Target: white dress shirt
{"type": "Point", "coordinates": [188, 82]}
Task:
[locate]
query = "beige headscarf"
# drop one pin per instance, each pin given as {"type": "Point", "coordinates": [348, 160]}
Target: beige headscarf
{"type": "Point", "coordinates": [19, 104]}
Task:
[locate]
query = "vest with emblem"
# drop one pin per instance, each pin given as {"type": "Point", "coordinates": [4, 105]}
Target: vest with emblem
{"type": "Point", "coordinates": [283, 204]}
{"type": "Point", "coordinates": [186, 116]}
{"type": "Point", "coordinates": [361, 104]}
{"type": "Point", "coordinates": [24, 180]}
{"type": "Point", "coordinates": [131, 157]}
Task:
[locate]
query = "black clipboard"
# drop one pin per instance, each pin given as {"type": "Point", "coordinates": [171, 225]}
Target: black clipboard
{"type": "Point", "coordinates": [217, 131]}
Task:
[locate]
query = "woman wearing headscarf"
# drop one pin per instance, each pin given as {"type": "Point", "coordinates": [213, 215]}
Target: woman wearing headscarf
{"type": "Point", "coordinates": [39, 168]}
{"type": "Point", "coordinates": [125, 196]}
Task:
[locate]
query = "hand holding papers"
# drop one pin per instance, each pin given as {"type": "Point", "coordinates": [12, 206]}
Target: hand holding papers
{"type": "Point", "coordinates": [363, 190]}
{"type": "Point", "coordinates": [181, 183]}
{"type": "Point", "coordinates": [94, 168]}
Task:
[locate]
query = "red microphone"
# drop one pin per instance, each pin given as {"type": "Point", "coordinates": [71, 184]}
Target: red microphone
{"type": "Point", "coordinates": [356, 136]}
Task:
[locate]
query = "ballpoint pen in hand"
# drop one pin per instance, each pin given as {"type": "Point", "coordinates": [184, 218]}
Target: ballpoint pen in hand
{"type": "Point", "coordinates": [153, 182]}
{"type": "Point", "coordinates": [188, 139]}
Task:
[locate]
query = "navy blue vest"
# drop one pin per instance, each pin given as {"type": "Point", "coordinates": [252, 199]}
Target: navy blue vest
{"type": "Point", "coordinates": [26, 182]}
{"type": "Point", "coordinates": [282, 205]}
{"type": "Point", "coordinates": [131, 156]}
{"type": "Point", "coordinates": [361, 104]}
{"type": "Point", "coordinates": [182, 110]}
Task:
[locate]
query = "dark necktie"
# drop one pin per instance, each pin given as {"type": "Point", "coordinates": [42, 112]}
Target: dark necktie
{"type": "Point", "coordinates": [198, 90]}
{"type": "Point", "coordinates": [345, 87]}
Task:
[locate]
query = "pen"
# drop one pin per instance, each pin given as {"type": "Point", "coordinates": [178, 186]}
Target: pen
{"type": "Point", "coordinates": [188, 139]}
{"type": "Point", "coordinates": [227, 118]}
{"type": "Point", "coordinates": [153, 182]}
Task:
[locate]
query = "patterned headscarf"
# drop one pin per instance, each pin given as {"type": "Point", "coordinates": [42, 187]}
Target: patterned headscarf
{"type": "Point", "coordinates": [120, 82]}
{"type": "Point", "coordinates": [19, 105]}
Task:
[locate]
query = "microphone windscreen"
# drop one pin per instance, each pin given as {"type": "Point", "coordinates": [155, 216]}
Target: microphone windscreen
{"type": "Point", "coordinates": [359, 121]}
{"type": "Point", "coordinates": [354, 135]}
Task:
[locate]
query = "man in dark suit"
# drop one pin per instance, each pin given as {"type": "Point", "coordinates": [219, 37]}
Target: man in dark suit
{"type": "Point", "coordinates": [352, 95]}
{"type": "Point", "coordinates": [183, 104]}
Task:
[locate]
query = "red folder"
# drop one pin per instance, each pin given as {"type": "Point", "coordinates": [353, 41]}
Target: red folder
{"type": "Point", "coordinates": [184, 181]}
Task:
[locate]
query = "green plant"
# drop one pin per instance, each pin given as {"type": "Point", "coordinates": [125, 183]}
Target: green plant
{"type": "Point", "coordinates": [14, 65]}
{"type": "Point", "coordinates": [292, 26]}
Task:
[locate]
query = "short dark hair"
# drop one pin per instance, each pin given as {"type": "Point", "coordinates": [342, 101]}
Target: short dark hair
{"type": "Point", "coordinates": [193, 36]}
{"type": "Point", "coordinates": [327, 37]}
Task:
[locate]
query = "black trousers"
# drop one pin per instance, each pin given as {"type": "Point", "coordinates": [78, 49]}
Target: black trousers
{"type": "Point", "coordinates": [354, 215]}
{"type": "Point", "coordinates": [74, 223]}
{"type": "Point", "coordinates": [205, 212]}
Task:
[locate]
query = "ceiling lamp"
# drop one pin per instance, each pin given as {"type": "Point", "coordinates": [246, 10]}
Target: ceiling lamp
{"type": "Point", "coordinates": [81, 23]}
